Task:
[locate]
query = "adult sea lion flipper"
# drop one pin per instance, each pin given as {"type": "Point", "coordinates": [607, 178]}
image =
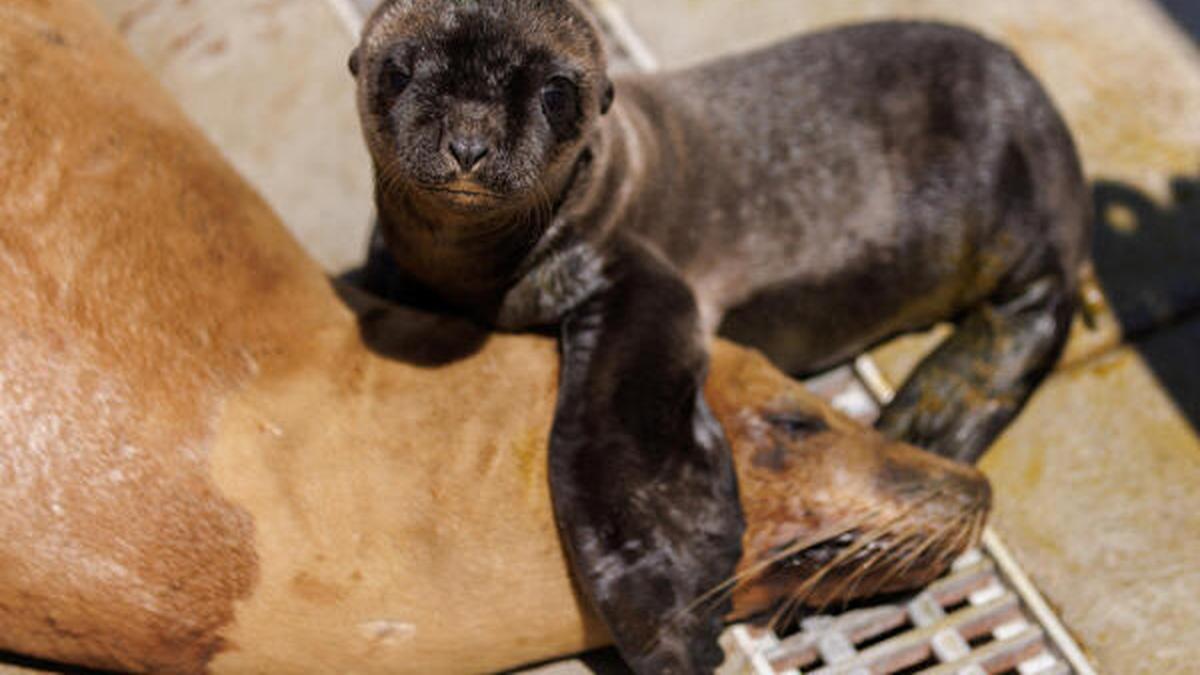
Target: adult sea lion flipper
{"type": "Point", "coordinates": [643, 487]}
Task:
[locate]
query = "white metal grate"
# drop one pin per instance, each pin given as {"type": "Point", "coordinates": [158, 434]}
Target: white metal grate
{"type": "Point", "coordinates": [968, 623]}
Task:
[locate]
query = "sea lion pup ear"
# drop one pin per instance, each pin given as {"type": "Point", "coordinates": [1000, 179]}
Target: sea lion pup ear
{"type": "Point", "coordinates": [606, 99]}
{"type": "Point", "coordinates": [354, 61]}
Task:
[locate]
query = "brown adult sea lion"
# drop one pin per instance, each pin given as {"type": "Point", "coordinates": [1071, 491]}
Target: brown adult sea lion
{"type": "Point", "coordinates": [810, 199]}
{"type": "Point", "coordinates": [203, 467]}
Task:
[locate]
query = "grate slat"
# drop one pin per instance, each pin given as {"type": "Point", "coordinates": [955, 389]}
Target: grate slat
{"type": "Point", "coordinates": [999, 656]}
{"type": "Point", "coordinates": [913, 647]}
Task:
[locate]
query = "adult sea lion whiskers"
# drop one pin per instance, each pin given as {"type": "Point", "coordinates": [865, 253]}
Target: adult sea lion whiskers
{"type": "Point", "coordinates": [896, 531]}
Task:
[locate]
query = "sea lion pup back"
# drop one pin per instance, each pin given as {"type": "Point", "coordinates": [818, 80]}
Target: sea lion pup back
{"type": "Point", "coordinates": [810, 199]}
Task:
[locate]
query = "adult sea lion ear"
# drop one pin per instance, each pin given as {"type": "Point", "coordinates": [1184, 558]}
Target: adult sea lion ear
{"type": "Point", "coordinates": [606, 99]}
{"type": "Point", "coordinates": [354, 59]}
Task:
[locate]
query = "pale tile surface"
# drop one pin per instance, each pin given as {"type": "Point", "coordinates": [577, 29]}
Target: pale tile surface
{"type": "Point", "coordinates": [562, 668]}
{"type": "Point", "coordinates": [267, 81]}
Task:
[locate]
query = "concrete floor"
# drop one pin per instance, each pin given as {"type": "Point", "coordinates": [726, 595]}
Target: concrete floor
{"type": "Point", "coordinates": [1096, 483]}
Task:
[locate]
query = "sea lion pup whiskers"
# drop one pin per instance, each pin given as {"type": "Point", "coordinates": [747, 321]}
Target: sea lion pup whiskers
{"type": "Point", "coordinates": [810, 199]}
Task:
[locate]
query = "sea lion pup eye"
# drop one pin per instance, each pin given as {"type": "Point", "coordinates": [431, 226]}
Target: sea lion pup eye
{"type": "Point", "coordinates": [394, 77]}
{"type": "Point", "coordinates": [560, 103]}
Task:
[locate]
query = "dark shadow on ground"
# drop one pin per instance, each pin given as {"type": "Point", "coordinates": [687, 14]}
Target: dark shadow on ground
{"type": "Point", "coordinates": [605, 661]}
{"type": "Point", "coordinates": [1147, 255]}
{"type": "Point", "coordinates": [1186, 13]}
{"type": "Point", "coordinates": [37, 665]}
{"type": "Point", "coordinates": [1174, 356]}
{"type": "Point", "coordinates": [1148, 260]}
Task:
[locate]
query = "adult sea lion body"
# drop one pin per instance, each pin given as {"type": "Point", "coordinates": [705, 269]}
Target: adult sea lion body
{"type": "Point", "coordinates": [811, 199]}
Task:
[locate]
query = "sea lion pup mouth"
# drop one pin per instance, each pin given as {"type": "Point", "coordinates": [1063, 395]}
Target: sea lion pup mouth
{"type": "Point", "coordinates": [835, 511]}
{"type": "Point", "coordinates": [460, 195]}
{"type": "Point", "coordinates": [478, 110]}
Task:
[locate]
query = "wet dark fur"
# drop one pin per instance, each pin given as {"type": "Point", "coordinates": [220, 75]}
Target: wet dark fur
{"type": "Point", "coordinates": [811, 199]}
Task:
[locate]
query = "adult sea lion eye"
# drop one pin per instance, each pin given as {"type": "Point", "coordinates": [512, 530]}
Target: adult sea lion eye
{"type": "Point", "coordinates": [560, 102]}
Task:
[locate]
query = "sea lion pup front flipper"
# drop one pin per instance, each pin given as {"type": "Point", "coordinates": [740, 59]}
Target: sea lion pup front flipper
{"type": "Point", "coordinates": [643, 485]}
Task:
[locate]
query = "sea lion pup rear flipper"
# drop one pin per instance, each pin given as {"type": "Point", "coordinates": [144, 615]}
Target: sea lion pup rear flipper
{"type": "Point", "coordinates": [962, 396]}
{"type": "Point", "coordinates": [641, 477]}
{"type": "Point", "coordinates": [998, 353]}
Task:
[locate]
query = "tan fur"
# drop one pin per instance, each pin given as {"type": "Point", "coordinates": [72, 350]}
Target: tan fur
{"type": "Point", "coordinates": [202, 466]}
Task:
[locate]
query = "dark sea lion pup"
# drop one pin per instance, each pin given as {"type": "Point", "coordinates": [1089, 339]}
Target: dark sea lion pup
{"type": "Point", "coordinates": [810, 199]}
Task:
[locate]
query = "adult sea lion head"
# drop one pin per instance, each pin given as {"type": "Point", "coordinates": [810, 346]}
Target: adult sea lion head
{"type": "Point", "coordinates": [474, 110]}
{"type": "Point", "coordinates": [835, 512]}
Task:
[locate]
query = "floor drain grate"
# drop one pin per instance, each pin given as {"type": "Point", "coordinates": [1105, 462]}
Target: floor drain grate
{"type": "Point", "coordinates": [970, 622]}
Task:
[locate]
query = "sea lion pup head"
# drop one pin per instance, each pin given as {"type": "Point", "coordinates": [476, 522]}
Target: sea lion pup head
{"type": "Point", "coordinates": [478, 109]}
{"type": "Point", "coordinates": [835, 511]}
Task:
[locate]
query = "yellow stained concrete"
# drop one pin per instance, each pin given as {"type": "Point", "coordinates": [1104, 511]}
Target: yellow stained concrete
{"type": "Point", "coordinates": [267, 81]}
